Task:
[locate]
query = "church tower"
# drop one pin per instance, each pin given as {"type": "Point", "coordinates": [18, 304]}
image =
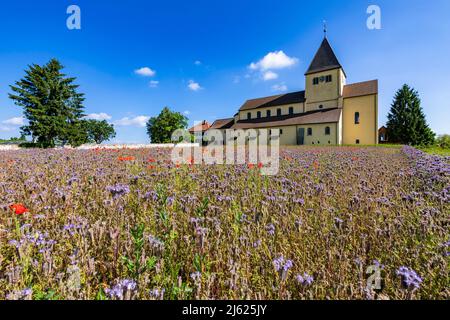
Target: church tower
{"type": "Point", "coordinates": [325, 80]}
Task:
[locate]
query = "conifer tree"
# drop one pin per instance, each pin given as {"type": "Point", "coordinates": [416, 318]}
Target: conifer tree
{"type": "Point", "coordinates": [52, 105]}
{"type": "Point", "coordinates": [406, 120]}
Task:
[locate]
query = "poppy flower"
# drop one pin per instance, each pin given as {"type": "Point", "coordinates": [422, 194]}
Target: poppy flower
{"type": "Point", "coordinates": [151, 160]}
{"type": "Point", "coordinates": [126, 159]}
{"type": "Point", "coordinates": [260, 165]}
{"type": "Point", "coordinates": [19, 208]}
{"type": "Point", "coordinates": [250, 165]}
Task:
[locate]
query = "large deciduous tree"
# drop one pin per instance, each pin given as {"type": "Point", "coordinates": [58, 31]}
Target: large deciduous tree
{"type": "Point", "coordinates": [99, 131]}
{"type": "Point", "coordinates": [160, 128]}
{"type": "Point", "coordinates": [52, 105]}
{"type": "Point", "coordinates": [406, 119]}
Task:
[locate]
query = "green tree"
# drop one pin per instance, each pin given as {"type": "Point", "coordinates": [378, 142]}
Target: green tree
{"type": "Point", "coordinates": [99, 131]}
{"type": "Point", "coordinates": [160, 128]}
{"type": "Point", "coordinates": [406, 120]}
{"type": "Point", "coordinates": [443, 141]}
{"type": "Point", "coordinates": [52, 105]}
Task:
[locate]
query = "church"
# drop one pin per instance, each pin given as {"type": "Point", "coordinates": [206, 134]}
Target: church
{"type": "Point", "coordinates": [328, 112]}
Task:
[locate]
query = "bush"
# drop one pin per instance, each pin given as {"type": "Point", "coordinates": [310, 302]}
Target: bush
{"type": "Point", "coordinates": [443, 141]}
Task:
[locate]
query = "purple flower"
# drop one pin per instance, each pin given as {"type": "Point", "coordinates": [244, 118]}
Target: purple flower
{"type": "Point", "coordinates": [270, 228]}
{"type": "Point", "coordinates": [410, 279]}
{"type": "Point", "coordinates": [121, 288]}
{"type": "Point", "coordinates": [304, 279]}
{"type": "Point", "coordinates": [118, 190]}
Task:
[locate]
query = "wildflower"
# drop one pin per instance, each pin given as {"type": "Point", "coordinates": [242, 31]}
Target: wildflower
{"type": "Point", "coordinates": [156, 243]}
{"type": "Point", "coordinates": [250, 165]}
{"type": "Point", "coordinates": [410, 279]}
{"type": "Point", "coordinates": [196, 276]}
{"type": "Point", "coordinates": [19, 208]}
{"type": "Point", "coordinates": [260, 165]}
{"type": "Point", "coordinates": [157, 293]}
{"type": "Point", "coordinates": [121, 288]}
{"type": "Point", "coordinates": [304, 279]}
{"type": "Point", "coordinates": [122, 159]}
{"type": "Point", "coordinates": [24, 294]}
{"type": "Point", "coordinates": [270, 228]}
{"type": "Point", "coordinates": [118, 190]}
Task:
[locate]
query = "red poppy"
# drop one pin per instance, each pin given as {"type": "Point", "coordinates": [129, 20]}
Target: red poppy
{"type": "Point", "coordinates": [316, 165]}
{"type": "Point", "coordinates": [18, 208]}
{"type": "Point", "coordinates": [126, 158]}
{"type": "Point", "coordinates": [260, 165]}
{"type": "Point", "coordinates": [151, 167]}
{"type": "Point", "coordinates": [251, 165]}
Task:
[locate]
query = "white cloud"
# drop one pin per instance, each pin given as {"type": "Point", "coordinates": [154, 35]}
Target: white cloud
{"type": "Point", "coordinates": [194, 86]}
{"type": "Point", "coordinates": [279, 87]}
{"type": "Point", "coordinates": [16, 121]}
{"type": "Point", "coordinates": [274, 60]}
{"type": "Point", "coordinates": [197, 62]}
{"type": "Point", "coordinates": [145, 72]}
{"type": "Point", "coordinates": [187, 112]}
{"type": "Point", "coordinates": [98, 116]}
{"type": "Point", "coordinates": [270, 75]}
{"type": "Point", "coordinates": [5, 128]}
{"type": "Point", "coordinates": [139, 121]}
{"type": "Point", "coordinates": [154, 84]}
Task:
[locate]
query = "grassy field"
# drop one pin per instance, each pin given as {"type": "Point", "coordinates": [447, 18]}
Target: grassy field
{"type": "Point", "coordinates": [437, 151]}
{"type": "Point", "coordinates": [129, 224]}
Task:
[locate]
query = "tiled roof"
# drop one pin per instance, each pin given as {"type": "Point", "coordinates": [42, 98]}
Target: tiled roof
{"type": "Point", "coordinates": [361, 89]}
{"type": "Point", "coordinates": [320, 116]}
{"type": "Point", "coordinates": [325, 59]}
{"type": "Point", "coordinates": [278, 100]}
{"type": "Point", "coordinates": [203, 126]}
{"type": "Point", "coordinates": [222, 123]}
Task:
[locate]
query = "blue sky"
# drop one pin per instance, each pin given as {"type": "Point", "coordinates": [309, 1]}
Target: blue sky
{"type": "Point", "coordinates": [199, 53]}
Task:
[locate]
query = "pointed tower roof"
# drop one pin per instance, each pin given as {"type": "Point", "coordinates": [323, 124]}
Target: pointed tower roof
{"type": "Point", "coordinates": [325, 59]}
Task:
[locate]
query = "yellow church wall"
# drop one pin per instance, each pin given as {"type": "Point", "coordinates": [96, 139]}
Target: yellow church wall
{"type": "Point", "coordinates": [324, 91]}
{"type": "Point", "coordinates": [367, 130]}
{"type": "Point", "coordinates": [318, 136]}
{"type": "Point", "coordinates": [298, 108]}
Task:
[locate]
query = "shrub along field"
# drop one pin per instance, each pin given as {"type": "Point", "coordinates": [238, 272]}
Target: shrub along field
{"type": "Point", "coordinates": [128, 224]}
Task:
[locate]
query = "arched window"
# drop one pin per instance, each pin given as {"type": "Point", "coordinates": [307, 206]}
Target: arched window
{"type": "Point", "coordinates": [258, 115]}
{"type": "Point", "coordinates": [268, 113]}
{"type": "Point", "coordinates": [278, 112]}
{"type": "Point", "coordinates": [291, 110]}
{"type": "Point", "coordinates": [327, 131]}
{"type": "Point", "coordinates": [356, 117]}
{"type": "Point", "coordinates": [309, 131]}
{"type": "Point", "coordinates": [249, 115]}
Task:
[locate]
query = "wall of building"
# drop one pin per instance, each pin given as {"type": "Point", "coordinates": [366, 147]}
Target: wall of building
{"type": "Point", "coordinates": [367, 129]}
{"type": "Point", "coordinates": [298, 108]}
{"type": "Point", "coordinates": [318, 136]}
{"type": "Point", "coordinates": [324, 91]}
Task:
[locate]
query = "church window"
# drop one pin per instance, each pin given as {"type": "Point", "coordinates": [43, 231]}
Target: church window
{"type": "Point", "coordinates": [315, 81]}
{"type": "Point", "coordinates": [357, 141]}
{"type": "Point", "coordinates": [291, 110]}
{"type": "Point", "coordinates": [329, 78]}
{"type": "Point", "coordinates": [309, 131]}
{"type": "Point", "coordinates": [278, 112]}
{"type": "Point", "coordinates": [258, 114]}
{"type": "Point", "coordinates": [249, 115]}
{"type": "Point", "coordinates": [327, 131]}
{"type": "Point", "coordinates": [357, 118]}
{"type": "Point", "coordinates": [268, 113]}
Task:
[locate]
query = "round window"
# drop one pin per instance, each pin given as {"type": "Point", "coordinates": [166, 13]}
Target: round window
{"type": "Point", "coordinates": [322, 79]}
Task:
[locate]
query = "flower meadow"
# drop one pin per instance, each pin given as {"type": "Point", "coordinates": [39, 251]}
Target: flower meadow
{"type": "Point", "coordinates": [129, 224]}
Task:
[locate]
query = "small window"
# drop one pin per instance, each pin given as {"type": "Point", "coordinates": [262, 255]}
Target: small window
{"type": "Point", "coordinates": [357, 118]}
{"type": "Point", "coordinates": [258, 114]}
{"type": "Point", "coordinates": [357, 141]}
{"type": "Point", "coordinates": [315, 81]}
{"type": "Point", "coordinates": [268, 113]}
{"type": "Point", "coordinates": [318, 142]}
{"type": "Point", "coordinates": [309, 131]}
{"type": "Point", "coordinates": [321, 106]}
{"type": "Point", "coordinates": [327, 131]}
{"type": "Point", "coordinates": [328, 78]}
{"type": "Point", "coordinates": [329, 142]}
{"type": "Point", "coordinates": [249, 115]}
{"type": "Point", "coordinates": [291, 110]}
{"type": "Point", "coordinates": [281, 131]}
{"type": "Point", "coordinates": [278, 112]}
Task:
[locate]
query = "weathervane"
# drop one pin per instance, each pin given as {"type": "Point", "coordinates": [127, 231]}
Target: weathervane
{"type": "Point", "coordinates": [325, 28]}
